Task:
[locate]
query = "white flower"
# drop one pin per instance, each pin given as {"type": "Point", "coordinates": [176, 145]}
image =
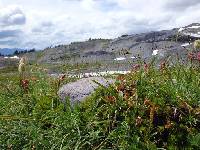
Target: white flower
{"type": "Point", "coordinates": [197, 44]}
{"type": "Point", "coordinates": [21, 67]}
{"type": "Point", "coordinates": [22, 64]}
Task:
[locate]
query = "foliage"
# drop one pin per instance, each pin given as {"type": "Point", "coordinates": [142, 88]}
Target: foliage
{"type": "Point", "coordinates": [148, 108]}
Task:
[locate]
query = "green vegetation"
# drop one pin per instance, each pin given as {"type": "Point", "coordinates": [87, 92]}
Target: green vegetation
{"type": "Point", "coordinates": [148, 108]}
{"type": "Point", "coordinates": [77, 68]}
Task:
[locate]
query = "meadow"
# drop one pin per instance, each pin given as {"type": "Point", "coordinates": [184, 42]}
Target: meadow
{"type": "Point", "coordinates": [152, 107]}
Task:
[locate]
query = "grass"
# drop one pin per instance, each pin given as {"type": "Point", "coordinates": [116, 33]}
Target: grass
{"type": "Point", "coordinates": [63, 68]}
{"type": "Point", "coordinates": [148, 108]}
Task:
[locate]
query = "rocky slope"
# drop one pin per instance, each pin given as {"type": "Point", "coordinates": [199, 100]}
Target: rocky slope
{"type": "Point", "coordinates": [126, 47]}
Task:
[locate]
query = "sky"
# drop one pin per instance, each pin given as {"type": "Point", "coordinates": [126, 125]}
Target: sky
{"type": "Point", "coordinates": [42, 23]}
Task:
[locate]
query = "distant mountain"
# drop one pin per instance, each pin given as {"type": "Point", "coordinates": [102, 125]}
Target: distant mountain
{"type": "Point", "coordinates": [9, 51]}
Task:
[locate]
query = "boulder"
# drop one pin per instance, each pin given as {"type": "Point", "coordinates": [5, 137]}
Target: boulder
{"type": "Point", "coordinates": [79, 90]}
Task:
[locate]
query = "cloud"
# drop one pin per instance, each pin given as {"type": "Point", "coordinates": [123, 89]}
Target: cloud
{"type": "Point", "coordinates": [48, 22]}
{"type": "Point", "coordinates": [12, 15]}
{"type": "Point", "coordinates": [45, 27]}
{"type": "Point", "coordinates": [9, 33]}
{"type": "Point", "coordinates": [8, 42]}
{"type": "Point", "coordinates": [179, 5]}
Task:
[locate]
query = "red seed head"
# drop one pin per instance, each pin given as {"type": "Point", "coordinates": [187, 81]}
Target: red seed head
{"type": "Point", "coordinates": [136, 67]}
{"type": "Point", "coordinates": [62, 77]}
{"type": "Point", "coordinates": [163, 65]}
{"type": "Point", "coordinates": [25, 84]}
{"type": "Point", "coordinates": [146, 67]}
{"type": "Point", "coordinates": [138, 121]}
{"type": "Point", "coordinates": [191, 56]}
{"type": "Point", "coordinates": [147, 102]}
{"type": "Point", "coordinates": [198, 56]}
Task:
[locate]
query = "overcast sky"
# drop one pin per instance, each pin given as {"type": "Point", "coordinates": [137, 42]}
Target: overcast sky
{"type": "Point", "coordinates": [41, 23]}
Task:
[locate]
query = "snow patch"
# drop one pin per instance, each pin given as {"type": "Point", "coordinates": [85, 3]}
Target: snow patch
{"type": "Point", "coordinates": [96, 74]}
{"type": "Point", "coordinates": [120, 58]}
{"type": "Point", "coordinates": [181, 29]}
{"type": "Point", "coordinates": [155, 52]}
{"type": "Point", "coordinates": [193, 34]}
{"type": "Point", "coordinates": [185, 44]}
{"type": "Point", "coordinates": [13, 57]}
{"type": "Point", "coordinates": [194, 27]}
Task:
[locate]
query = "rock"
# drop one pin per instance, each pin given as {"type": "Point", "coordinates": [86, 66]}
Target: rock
{"type": "Point", "coordinates": [79, 90]}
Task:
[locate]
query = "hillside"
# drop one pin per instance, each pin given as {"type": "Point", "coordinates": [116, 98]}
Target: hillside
{"type": "Point", "coordinates": [167, 42]}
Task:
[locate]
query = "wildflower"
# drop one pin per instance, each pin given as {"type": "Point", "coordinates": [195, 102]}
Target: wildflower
{"type": "Point", "coordinates": [152, 113]}
{"type": "Point", "coordinates": [22, 64]}
{"type": "Point", "coordinates": [197, 45]}
{"type": "Point", "coordinates": [138, 121]}
{"type": "Point", "coordinates": [62, 77]}
{"type": "Point", "coordinates": [163, 65]}
{"type": "Point", "coordinates": [110, 99]}
{"type": "Point", "coordinates": [136, 67]}
{"type": "Point", "coordinates": [121, 77]}
{"type": "Point", "coordinates": [25, 84]}
{"type": "Point", "coordinates": [147, 102]}
{"type": "Point", "coordinates": [191, 56]}
{"type": "Point", "coordinates": [153, 108]}
{"type": "Point", "coordinates": [21, 67]}
{"type": "Point", "coordinates": [22, 60]}
{"type": "Point", "coordinates": [146, 67]}
{"type": "Point", "coordinates": [198, 56]}
{"type": "Point", "coordinates": [121, 87]}
{"type": "Point", "coordinates": [186, 106]}
{"type": "Point", "coordinates": [130, 103]}
{"type": "Point", "coordinates": [168, 125]}
{"type": "Point", "coordinates": [127, 95]}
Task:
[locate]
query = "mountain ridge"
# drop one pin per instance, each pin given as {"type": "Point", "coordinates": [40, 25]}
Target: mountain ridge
{"type": "Point", "coordinates": [105, 50]}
